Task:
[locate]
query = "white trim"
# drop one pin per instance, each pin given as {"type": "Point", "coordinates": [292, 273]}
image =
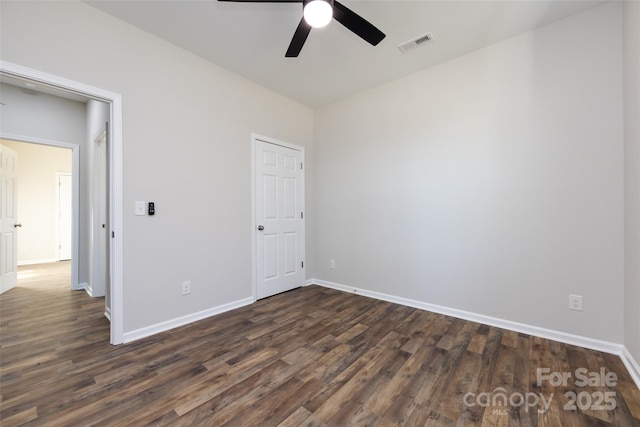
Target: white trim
{"type": "Point", "coordinates": [632, 365]}
{"type": "Point", "coordinates": [75, 195]}
{"type": "Point", "coordinates": [567, 338]}
{"type": "Point", "coordinates": [107, 313]}
{"type": "Point", "coordinates": [184, 320]}
{"type": "Point", "coordinates": [57, 213]}
{"type": "Point", "coordinates": [82, 286]}
{"type": "Point", "coordinates": [38, 261]}
{"type": "Point", "coordinates": [89, 289]}
{"type": "Point", "coordinates": [254, 225]}
{"type": "Point", "coordinates": [101, 136]}
{"type": "Point", "coordinates": [257, 137]}
{"type": "Point", "coordinates": [116, 186]}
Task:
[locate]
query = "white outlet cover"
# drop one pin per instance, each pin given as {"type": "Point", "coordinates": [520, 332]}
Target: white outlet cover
{"type": "Point", "coordinates": [575, 302]}
{"type": "Point", "coordinates": [186, 288]}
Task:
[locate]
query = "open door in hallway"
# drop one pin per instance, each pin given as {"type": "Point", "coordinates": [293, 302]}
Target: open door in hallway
{"type": "Point", "coordinates": [8, 219]}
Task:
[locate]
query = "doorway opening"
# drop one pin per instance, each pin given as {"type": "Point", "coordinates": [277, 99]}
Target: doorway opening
{"type": "Point", "coordinates": [47, 205]}
{"type": "Point", "coordinates": [49, 82]}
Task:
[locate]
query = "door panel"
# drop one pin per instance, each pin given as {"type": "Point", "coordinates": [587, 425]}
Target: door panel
{"type": "Point", "coordinates": [8, 219]}
{"type": "Point", "coordinates": [270, 259]}
{"type": "Point", "coordinates": [270, 197]}
{"type": "Point", "coordinates": [290, 253]}
{"type": "Point", "coordinates": [289, 198]}
{"type": "Point", "coordinates": [279, 210]}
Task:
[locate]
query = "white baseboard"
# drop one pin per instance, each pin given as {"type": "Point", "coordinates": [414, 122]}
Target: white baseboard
{"type": "Point", "coordinates": [107, 313]}
{"type": "Point", "coordinates": [632, 365]}
{"type": "Point", "coordinates": [564, 337]}
{"type": "Point", "coordinates": [184, 320]}
{"type": "Point", "coordinates": [38, 261]}
{"type": "Point", "coordinates": [87, 287]}
{"type": "Point", "coordinates": [82, 286]}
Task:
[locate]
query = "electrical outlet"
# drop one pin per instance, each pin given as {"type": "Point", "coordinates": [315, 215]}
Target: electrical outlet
{"type": "Point", "coordinates": [332, 263]}
{"type": "Point", "coordinates": [575, 302]}
{"type": "Point", "coordinates": [186, 288]}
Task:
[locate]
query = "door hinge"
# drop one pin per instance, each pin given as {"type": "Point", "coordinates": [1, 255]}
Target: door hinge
{"type": "Point", "coordinates": [113, 234]}
{"type": "Point", "coordinates": [301, 166]}
{"type": "Point", "coordinates": [302, 264]}
{"type": "Point", "coordinates": [301, 215]}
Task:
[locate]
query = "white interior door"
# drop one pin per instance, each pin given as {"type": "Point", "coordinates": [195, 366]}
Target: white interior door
{"type": "Point", "coordinates": [279, 192]}
{"type": "Point", "coordinates": [100, 258]}
{"type": "Point", "coordinates": [8, 217]}
{"type": "Point", "coordinates": [65, 210]}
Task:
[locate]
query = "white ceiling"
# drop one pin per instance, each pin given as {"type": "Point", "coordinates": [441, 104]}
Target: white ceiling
{"type": "Point", "coordinates": [250, 39]}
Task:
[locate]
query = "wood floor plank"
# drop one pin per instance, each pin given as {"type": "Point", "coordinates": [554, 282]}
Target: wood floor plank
{"type": "Point", "coordinates": [310, 357]}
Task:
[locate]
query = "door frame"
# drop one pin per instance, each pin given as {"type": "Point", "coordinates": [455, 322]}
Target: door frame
{"type": "Point", "coordinates": [58, 217]}
{"type": "Point", "coordinates": [254, 224]}
{"type": "Point", "coordinates": [116, 212]}
{"type": "Point", "coordinates": [75, 195]}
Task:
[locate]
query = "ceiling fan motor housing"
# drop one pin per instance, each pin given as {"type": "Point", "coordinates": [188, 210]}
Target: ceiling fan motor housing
{"type": "Point", "coordinates": [317, 13]}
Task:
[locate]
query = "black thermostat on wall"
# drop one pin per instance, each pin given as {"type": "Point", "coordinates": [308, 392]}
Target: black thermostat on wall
{"type": "Point", "coordinates": [152, 208]}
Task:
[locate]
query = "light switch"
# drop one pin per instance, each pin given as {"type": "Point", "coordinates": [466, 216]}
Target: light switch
{"type": "Point", "coordinates": [141, 208]}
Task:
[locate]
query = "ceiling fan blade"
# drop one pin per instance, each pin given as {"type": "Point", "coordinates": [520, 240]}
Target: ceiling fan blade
{"type": "Point", "coordinates": [357, 24]}
{"type": "Point", "coordinates": [299, 37]}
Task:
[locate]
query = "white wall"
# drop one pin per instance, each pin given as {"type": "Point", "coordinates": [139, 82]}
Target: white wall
{"type": "Point", "coordinates": [631, 14]}
{"type": "Point", "coordinates": [37, 207]}
{"type": "Point", "coordinates": [40, 116]}
{"type": "Point", "coordinates": [491, 183]}
{"type": "Point", "coordinates": [187, 147]}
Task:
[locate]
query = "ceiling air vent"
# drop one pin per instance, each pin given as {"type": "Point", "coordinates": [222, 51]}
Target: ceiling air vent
{"type": "Point", "coordinates": [413, 43]}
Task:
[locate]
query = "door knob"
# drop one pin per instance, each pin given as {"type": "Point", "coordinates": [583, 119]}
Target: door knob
{"type": "Point", "coordinates": [17, 225]}
{"type": "Point", "coordinates": [260, 227]}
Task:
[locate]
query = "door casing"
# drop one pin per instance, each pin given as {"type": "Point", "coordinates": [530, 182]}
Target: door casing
{"type": "Point", "coordinates": [61, 234]}
{"type": "Point", "coordinates": [75, 191]}
{"type": "Point", "coordinates": [116, 211]}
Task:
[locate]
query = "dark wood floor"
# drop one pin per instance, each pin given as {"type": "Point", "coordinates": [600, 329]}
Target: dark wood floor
{"type": "Point", "coordinates": [309, 357]}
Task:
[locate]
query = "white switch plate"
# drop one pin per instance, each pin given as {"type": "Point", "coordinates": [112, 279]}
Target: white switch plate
{"type": "Point", "coordinates": [332, 263]}
{"type": "Point", "coordinates": [140, 208]}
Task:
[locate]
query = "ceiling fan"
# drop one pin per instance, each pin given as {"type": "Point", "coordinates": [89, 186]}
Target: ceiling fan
{"type": "Point", "coordinates": [318, 13]}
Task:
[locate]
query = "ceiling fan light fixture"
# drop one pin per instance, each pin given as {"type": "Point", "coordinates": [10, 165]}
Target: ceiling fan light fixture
{"type": "Point", "coordinates": [318, 13]}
